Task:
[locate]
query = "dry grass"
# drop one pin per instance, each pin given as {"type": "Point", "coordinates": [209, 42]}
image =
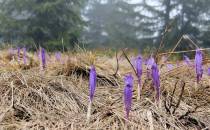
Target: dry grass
{"type": "Point", "coordinates": [58, 97]}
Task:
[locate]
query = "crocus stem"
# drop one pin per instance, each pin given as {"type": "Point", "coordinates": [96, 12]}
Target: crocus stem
{"type": "Point", "coordinates": [139, 90]}
{"type": "Point", "coordinates": [159, 104]}
{"type": "Point", "coordinates": [127, 115]}
{"type": "Point", "coordinates": [89, 111]}
{"type": "Point", "coordinates": [138, 98]}
{"type": "Point", "coordinates": [196, 85]}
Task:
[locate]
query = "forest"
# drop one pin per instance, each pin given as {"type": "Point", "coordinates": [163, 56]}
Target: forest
{"type": "Point", "coordinates": [141, 24]}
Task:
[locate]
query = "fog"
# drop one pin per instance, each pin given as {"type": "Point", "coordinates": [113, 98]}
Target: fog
{"type": "Point", "coordinates": [105, 23]}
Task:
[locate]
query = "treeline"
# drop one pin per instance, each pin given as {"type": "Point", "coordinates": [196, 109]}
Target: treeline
{"type": "Point", "coordinates": [47, 23]}
{"type": "Point", "coordinates": [62, 24]}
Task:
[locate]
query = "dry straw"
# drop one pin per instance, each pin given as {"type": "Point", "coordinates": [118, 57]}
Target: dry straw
{"type": "Point", "coordinates": [60, 98]}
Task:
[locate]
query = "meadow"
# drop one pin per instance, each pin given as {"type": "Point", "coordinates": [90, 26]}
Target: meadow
{"type": "Point", "coordinates": [56, 95]}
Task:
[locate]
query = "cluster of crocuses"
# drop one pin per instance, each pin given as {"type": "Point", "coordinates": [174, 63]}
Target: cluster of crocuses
{"type": "Point", "coordinates": [128, 80]}
{"type": "Point", "coordinates": [42, 55]}
{"type": "Point", "coordinates": [18, 51]}
{"type": "Point", "coordinates": [24, 55]}
{"type": "Point", "coordinates": [152, 73]}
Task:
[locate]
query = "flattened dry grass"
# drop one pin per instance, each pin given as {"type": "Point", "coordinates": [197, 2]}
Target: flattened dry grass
{"type": "Point", "coordinates": [57, 98]}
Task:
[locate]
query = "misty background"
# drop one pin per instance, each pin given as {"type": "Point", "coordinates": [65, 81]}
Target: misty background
{"type": "Point", "coordinates": [99, 24]}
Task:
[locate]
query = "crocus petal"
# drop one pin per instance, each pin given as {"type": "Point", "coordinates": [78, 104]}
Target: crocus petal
{"type": "Point", "coordinates": [156, 80]}
{"type": "Point", "coordinates": [209, 71]}
{"type": "Point", "coordinates": [170, 67]}
{"type": "Point", "coordinates": [139, 66]}
{"type": "Point", "coordinates": [187, 60]}
{"type": "Point", "coordinates": [128, 94]}
{"type": "Point", "coordinates": [24, 56]}
{"type": "Point", "coordinates": [198, 65]}
{"type": "Point", "coordinates": [58, 56]}
{"type": "Point", "coordinates": [18, 54]}
{"type": "Point", "coordinates": [43, 58]}
{"type": "Point", "coordinates": [149, 64]}
{"type": "Point", "coordinates": [139, 73]}
{"type": "Point", "coordinates": [92, 82]}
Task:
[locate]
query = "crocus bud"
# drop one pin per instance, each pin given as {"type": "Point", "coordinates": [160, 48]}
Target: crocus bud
{"type": "Point", "coordinates": [149, 64]}
{"type": "Point", "coordinates": [187, 60]}
{"type": "Point", "coordinates": [128, 94]}
{"type": "Point", "coordinates": [139, 66]}
{"type": "Point", "coordinates": [198, 65]}
{"type": "Point", "coordinates": [156, 80]}
{"type": "Point", "coordinates": [92, 82]}
{"type": "Point", "coordinates": [170, 67]}
{"type": "Point", "coordinates": [58, 56]}
{"type": "Point", "coordinates": [43, 58]}
{"type": "Point", "coordinates": [209, 71]}
{"type": "Point", "coordinates": [24, 56]}
{"type": "Point", "coordinates": [92, 87]}
{"type": "Point", "coordinates": [18, 54]}
{"type": "Point", "coordinates": [139, 74]}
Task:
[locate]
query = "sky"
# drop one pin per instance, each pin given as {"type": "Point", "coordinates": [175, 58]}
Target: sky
{"type": "Point", "coordinates": [150, 2]}
{"type": "Point", "coordinates": [135, 1]}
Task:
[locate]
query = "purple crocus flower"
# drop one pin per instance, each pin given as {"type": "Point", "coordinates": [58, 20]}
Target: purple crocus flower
{"type": "Point", "coordinates": [24, 56]}
{"type": "Point", "coordinates": [58, 56]}
{"type": "Point", "coordinates": [187, 60]}
{"type": "Point", "coordinates": [150, 61]}
{"type": "Point", "coordinates": [139, 66]}
{"type": "Point", "coordinates": [128, 93]}
{"type": "Point", "coordinates": [92, 87]}
{"type": "Point", "coordinates": [156, 80]}
{"type": "Point", "coordinates": [209, 71]}
{"type": "Point", "coordinates": [170, 67]}
{"type": "Point", "coordinates": [198, 65]}
{"type": "Point", "coordinates": [139, 73]}
{"type": "Point", "coordinates": [43, 58]}
{"type": "Point", "coordinates": [149, 64]}
{"type": "Point", "coordinates": [18, 54]}
{"type": "Point", "coordinates": [92, 82]}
